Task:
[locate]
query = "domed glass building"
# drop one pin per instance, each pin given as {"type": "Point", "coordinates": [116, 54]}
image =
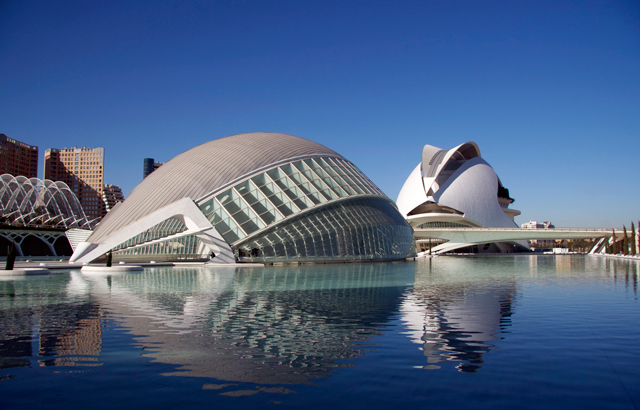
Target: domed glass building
{"type": "Point", "coordinates": [258, 197]}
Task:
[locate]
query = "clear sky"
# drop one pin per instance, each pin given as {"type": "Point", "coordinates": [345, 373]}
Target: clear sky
{"type": "Point", "coordinates": [550, 90]}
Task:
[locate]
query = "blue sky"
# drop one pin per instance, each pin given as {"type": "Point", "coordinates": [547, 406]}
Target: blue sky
{"type": "Point", "coordinates": [550, 90]}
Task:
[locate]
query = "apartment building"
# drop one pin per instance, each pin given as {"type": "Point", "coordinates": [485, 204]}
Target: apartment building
{"type": "Point", "coordinates": [18, 158]}
{"type": "Point", "coordinates": [82, 169]}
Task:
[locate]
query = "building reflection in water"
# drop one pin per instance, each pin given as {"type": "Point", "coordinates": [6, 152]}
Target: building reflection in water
{"type": "Point", "coordinates": [272, 325]}
{"type": "Point", "coordinates": [280, 324]}
{"type": "Point", "coordinates": [36, 323]}
{"type": "Point", "coordinates": [458, 306]}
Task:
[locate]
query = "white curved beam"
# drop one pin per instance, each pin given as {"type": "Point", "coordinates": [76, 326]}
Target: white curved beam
{"type": "Point", "coordinates": [185, 209]}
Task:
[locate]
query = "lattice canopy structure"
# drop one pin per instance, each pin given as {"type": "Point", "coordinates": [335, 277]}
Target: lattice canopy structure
{"type": "Point", "coordinates": [258, 197]}
{"type": "Point", "coordinates": [31, 202]}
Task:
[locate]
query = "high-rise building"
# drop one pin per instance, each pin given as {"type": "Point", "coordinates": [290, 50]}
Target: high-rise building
{"type": "Point", "coordinates": [111, 195]}
{"type": "Point", "coordinates": [82, 169]}
{"type": "Point", "coordinates": [18, 158]}
{"type": "Point", "coordinates": [148, 166]}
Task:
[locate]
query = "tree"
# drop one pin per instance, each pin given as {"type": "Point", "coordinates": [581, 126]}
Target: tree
{"type": "Point", "coordinates": [633, 239]}
{"type": "Point", "coordinates": [625, 242]}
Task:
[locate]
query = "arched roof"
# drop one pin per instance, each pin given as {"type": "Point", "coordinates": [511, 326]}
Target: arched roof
{"type": "Point", "coordinates": [34, 202]}
{"type": "Point", "coordinates": [203, 169]}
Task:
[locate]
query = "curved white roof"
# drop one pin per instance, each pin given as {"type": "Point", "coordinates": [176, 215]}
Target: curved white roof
{"type": "Point", "coordinates": [472, 189]}
{"type": "Point", "coordinates": [204, 169]}
{"type": "Point", "coordinates": [457, 178]}
{"type": "Point", "coordinates": [412, 193]}
{"type": "Point", "coordinates": [421, 184]}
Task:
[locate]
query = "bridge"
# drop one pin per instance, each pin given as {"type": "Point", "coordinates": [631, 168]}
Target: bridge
{"type": "Point", "coordinates": [460, 237]}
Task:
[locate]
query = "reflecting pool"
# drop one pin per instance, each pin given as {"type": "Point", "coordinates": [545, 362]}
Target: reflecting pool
{"type": "Point", "coordinates": [525, 332]}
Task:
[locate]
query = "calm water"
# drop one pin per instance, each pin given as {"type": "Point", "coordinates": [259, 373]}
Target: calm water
{"type": "Point", "coordinates": [552, 332]}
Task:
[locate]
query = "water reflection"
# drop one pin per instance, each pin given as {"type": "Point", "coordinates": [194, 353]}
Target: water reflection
{"type": "Point", "coordinates": [268, 325]}
{"type": "Point", "coordinates": [35, 321]}
{"type": "Point", "coordinates": [624, 270]}
{"type": "Point", "coordinates": [457, 308]}
{"type": "Point", "coordinates": [460, 305]}
{"type": "Point", "coordinates": [283, 324]}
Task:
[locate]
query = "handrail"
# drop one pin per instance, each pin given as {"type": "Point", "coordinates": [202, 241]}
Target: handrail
{"type": "Point", "coordinates": [517, 229]}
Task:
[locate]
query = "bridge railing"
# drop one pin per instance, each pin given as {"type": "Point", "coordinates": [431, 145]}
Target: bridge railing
{"type": "Point", "coordinates": [518, 229]}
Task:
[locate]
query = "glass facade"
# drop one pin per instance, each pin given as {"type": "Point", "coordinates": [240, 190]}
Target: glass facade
{"type": "Point", "coordinates": [364, 228]}
{"type": "Point", "coordinates": [183, 247]}
{"type": "Point", "coordinates": [281, 192]}
{"type": "Point", "coordinates": [164, 228]}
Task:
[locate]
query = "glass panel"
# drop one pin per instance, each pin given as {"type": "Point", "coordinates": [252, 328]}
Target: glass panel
{"type": "Point", "coordinates": [356, 179]}
{"type": "Point", "coordinates": [277, 199]}
{"type": "Point", "coordinates": [244, 216]}
{"type": "Point", "coordinates": [241, 217]}
{"type": "Point", "coordinates": [252, 225]}
{"type": "Point", "coordinates": [366, 182]}
{"type": "Point", "coordinates": [270, 217]}
{"type": "Point", "coordinates": [287, 209]}
{"type": "Point", "coordinates": [289, 188]}
{"type": "Point", "coordinates": [335, 176]}
{"type": "Point", "coordinates": [338, 167]}
{"type": "Point", "coordinates": [248, 192]}
{"type": "Point", "coordinates": [268, 188]}
{"type": "Point", "coordinates": [330, 182]}
{"type": "Point", "coordinates": [276, 174]}
{"type": "Point", "coordinates": [302, 183]}
{"type": "Point", "coordinates": [221, 220]}
{"type": "Point", "coordinates": [259, 180]}
{"type": "Point", "coordinates": [317, 183]}
{"type": "Point", "coordinates": [311, 163]}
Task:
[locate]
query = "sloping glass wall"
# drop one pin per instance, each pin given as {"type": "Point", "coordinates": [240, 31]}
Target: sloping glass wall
{"type": "Point", "coordinates": [281, 192]}
{"type": "Point", "coordinates": [355, 229]}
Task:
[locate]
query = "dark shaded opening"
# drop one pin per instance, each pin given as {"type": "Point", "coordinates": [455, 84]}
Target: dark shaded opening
{"type": "Point", "coordinates": [34, 246]}
{"type": "Point", "coordinates": [62, 247]}
{"type": "Point", "coordinates": [4, 246]}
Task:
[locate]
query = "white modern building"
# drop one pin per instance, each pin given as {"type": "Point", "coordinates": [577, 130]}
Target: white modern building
{"type": "Point", "coordinates": [456, 188]}
{"type": "Point", "coordinates": [258, 197]}
{"type": "Point", "coordinates": [537, 225]}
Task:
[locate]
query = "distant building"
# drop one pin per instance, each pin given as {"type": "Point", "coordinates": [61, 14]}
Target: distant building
{"type": "Point", "coordinates": [149, 165]}
{"type": "Point", "coordinates": [537, 225]}
{"type": "Point", "coordinates": [18, 158]}
{"type": "Point", "coordinates": [540, 225]}
{"type": "Point", "coordinates": [111, 195]}
{"type": "Point", "coordinates": [82, 169]}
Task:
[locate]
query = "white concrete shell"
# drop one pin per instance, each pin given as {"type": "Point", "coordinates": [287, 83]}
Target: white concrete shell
{"type": "Point", "coordinates": [455, 188]}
